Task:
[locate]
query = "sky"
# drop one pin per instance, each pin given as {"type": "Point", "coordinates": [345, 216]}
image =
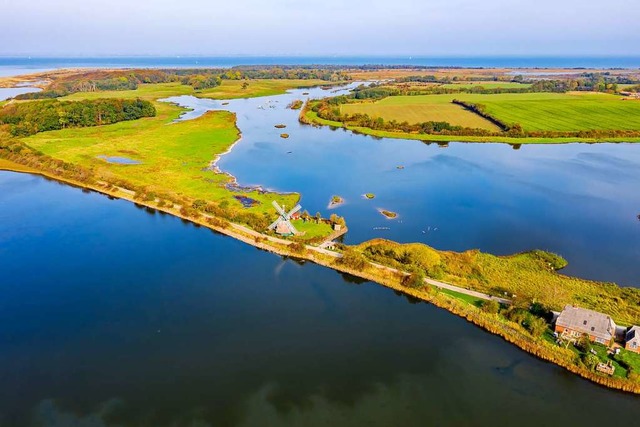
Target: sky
{"type": "Point", "coordinates": [327, 27]}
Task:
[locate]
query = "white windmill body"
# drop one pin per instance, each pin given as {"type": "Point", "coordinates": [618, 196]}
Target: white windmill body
{"type": "Point", "coordinates": [283, 225]}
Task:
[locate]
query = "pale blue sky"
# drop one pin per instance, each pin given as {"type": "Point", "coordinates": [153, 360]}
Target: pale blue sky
{"type": "Point", "coordinates": [326, 27]}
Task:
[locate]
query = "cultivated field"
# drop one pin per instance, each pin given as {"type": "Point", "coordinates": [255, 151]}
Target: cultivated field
{"type": "Point", "coordinates": [572, 111]}
{"type": "Point", "coordinates": [417, 109]}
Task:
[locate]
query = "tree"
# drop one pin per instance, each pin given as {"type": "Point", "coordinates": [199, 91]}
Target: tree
{"type": "Point", "coordinates": [245, 85]}
{"type": "Point", "coordinates": [415, 280]}
{"type": "Point", "coordinates": [584, 343]}
{"type": "Point", "coordinates": [536, 326]}
{"type": "Point", "coordinates": [318, 217]}
{"type": "Point", "coordinates": [590, 360]}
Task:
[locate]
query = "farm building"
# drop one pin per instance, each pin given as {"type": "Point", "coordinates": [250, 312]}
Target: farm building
{"type": "Point", "coordinates": [632, 339]}
{"type": "Point", "coordinates": [574, 322]}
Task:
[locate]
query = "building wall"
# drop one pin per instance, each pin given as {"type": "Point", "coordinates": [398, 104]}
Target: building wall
{"type": "Point", "coordinates": [577, 334]}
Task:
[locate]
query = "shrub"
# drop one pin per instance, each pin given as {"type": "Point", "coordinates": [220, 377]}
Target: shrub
{"type": "Point", "coordinates": [490, 306]}
{"type": "Point", "coordinates": [590, 360]}
{"type": "Point", "coordinates": [415, 280]}
{"type": "Point", "coordinates": [353, 259]}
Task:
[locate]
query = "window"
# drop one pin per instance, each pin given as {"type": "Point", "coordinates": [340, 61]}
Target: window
{"type": "Point", "coordinates": [593, 328]}
{"type": "Point", "coordinates": [584, 322]}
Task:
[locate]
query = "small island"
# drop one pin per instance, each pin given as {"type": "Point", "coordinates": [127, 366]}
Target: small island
{"type": "Point", "coordinates": [295, 105]}
{"type": "Point", "coordinates": [284, 135]}
{"type": "Point", "coordinates": [280, 126]}
{"type": "Point", "coordinates": [335, 202]}
{"type": "Point", "coordinates": [388, 214]}
{"type": "Point", "coordinates": [369, 196]}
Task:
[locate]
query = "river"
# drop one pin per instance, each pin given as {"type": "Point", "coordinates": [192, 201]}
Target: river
{"type": "Point", "coordinates": [117, 315]}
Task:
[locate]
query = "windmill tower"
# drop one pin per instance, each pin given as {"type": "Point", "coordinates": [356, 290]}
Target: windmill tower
{"type": "Point", "coordinates": [282, 225]}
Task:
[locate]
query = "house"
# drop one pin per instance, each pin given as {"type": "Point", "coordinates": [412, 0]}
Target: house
{"type": "Point", "coordinates": [574, 322]}
{"type": "Point", "coordinates": [632, 339]}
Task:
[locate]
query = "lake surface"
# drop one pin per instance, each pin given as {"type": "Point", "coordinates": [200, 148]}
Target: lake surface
{"type": "Point", "coordinates": [114, 315]}
{"type": "Point", "coordinates": [578, 200]}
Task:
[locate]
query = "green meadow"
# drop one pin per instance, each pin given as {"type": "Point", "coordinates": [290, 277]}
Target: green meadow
{"type": "Point", "coordinates": [229, 89]}
{"type": "Point", "coordinates": [173, 156]}
{"type": "Point", "coordinates": [486, 85]}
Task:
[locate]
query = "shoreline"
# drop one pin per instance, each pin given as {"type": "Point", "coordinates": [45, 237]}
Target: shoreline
{"type": "Point", "coordinates": [382, 275]}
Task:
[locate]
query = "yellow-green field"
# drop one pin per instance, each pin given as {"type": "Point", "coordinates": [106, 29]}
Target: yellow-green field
{"type": "Point", "coordinates": [311, 229]}
{"type": "Point", "coordinates": [417, 109]}
{"type": "Point", "coordinates": [229, 89]}
{"type": "Point", "coordinates": [573, 111]}
{"type": "Point", "coordinates": [486, 85]}
{"type": "Point", "coordinates": [172, 155]}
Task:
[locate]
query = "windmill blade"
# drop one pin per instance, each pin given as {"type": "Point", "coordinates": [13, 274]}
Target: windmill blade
{"type": "Point", "coordinates": [291, 227]}
{"type": "Point", "coordinates": [294, 210]}
{"type": "Point", "coordinates": [274, 224]}
{"type": "Point", "coordinates": [279, 208]}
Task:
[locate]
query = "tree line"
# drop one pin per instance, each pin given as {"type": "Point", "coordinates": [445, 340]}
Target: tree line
{"type": "Point", "coordinates": [28, 118]}
{"type": "Point", "coordinates": [101, 80]}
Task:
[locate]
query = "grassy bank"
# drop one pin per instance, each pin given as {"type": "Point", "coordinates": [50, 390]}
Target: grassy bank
{"type": "Point", "coordinates": [526, 278]}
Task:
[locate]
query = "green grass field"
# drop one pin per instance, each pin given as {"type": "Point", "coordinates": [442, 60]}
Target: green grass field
{"type": "Point", "coordinates": [572, 111]}
{"type": "Point", "coordinates": [464, 297]}
{"type": "Point", "coordinates": [173, 155]}
{"type": "Point", "coordinates": [311, 229]}
{"type": "Point", "coordinates": [229, 89]}
{"type": "Point", "coordinates": [486, 85]}
{"type": "Point", "coordinates": [417, 109]}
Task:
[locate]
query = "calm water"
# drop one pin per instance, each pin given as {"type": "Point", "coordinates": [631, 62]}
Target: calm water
{"type": "Point", "coordinates": [117, 316]}
{"type": "Point", "coordinates": [578, 200]}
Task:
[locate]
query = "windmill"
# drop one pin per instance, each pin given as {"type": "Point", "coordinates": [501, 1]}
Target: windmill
{"type": "Point", "coordinates": [283, 225]}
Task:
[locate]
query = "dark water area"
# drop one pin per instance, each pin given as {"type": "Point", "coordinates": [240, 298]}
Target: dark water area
{"type": "Point", "coordinates": [115, 315]}
{"type": "Point", "coordinates": [578, 200]}
{"type": "Point", "coordinates": [23, 65]}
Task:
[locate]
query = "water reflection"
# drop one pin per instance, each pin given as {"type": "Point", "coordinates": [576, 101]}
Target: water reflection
{"type": "Point", "coordinates": [120, 319]}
